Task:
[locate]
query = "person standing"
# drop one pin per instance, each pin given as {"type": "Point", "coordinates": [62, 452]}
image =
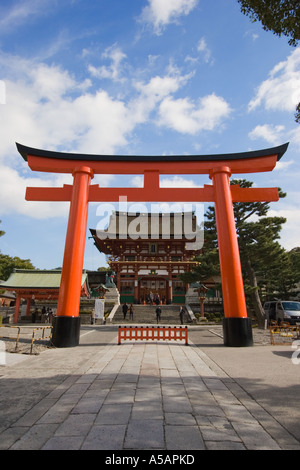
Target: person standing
{"type": "Point", "coordinates": [131, 312]}
{"type": "Point", "coordinates": [125, 309]}
{"type": "Point", "coordinates": [93, 317]}
{"type": "Point", "coordinates": [158, 314]}
{"type": "Point", "coordinates": [181, 314]}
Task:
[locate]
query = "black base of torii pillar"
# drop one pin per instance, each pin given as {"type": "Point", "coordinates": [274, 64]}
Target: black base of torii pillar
{"type": "Point", "coordinates": [65, 331]}
{"type": "Point", "coordinates": [237, 332]}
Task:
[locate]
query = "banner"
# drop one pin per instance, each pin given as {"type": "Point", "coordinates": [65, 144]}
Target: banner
{"type": "Point", "coordinates": [99, 308]}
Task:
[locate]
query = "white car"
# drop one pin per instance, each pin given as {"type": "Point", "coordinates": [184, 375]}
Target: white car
{"type": "Point", "coordinates": [283, 310]}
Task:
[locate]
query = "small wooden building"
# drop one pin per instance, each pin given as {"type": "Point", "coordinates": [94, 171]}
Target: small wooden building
{"type": "Point", "coordinates": [30, 285]}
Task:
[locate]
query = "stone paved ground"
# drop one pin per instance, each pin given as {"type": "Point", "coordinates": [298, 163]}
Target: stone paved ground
{"type": "Point", "coordinates": [151, 396]}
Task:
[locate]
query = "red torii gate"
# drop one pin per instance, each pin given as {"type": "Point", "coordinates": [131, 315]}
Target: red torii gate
{"type": "Point", "coordinates": [236, 326]}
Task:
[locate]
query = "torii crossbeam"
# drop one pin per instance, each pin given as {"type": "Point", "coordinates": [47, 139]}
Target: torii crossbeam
{"type": "Point", "coordinates": [236, 326]}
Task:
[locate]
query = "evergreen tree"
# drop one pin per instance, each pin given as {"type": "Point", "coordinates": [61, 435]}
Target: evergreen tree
{"type": "Point", "coordinates": [1, 231]}
{"type": "Point", "coordinates": [280, 16]}
{"type": "Point", "coordinates": [265, 264]}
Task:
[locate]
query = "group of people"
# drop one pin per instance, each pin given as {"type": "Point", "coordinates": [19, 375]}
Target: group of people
{"type": "Point", "coordinates": [47, 313]}
{"type": "Point", "coordinates": [158, 314]}
{"type": "Point", "coordinates": [154, 299]}
{"type": "Point", "coordinates": [127, 308]}
{"type": "Point", "coordinates": [46, 316]}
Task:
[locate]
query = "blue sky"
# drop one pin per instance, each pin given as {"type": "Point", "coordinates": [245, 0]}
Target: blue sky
{"type": "Point", "coordinates": [152, 77]}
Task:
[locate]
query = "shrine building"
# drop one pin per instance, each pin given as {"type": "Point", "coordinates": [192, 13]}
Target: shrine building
{"type": "Point", "coordinates": [147, 253]}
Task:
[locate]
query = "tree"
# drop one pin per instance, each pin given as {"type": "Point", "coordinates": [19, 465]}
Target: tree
{"type": "Point", "coordinates": [208, 266]}
{"type": "Point", "coordinates": [280, 16]}
{"type": "Point", "coordinates": [257, 238]}
{"type": "Point", "coordinates": [8, 264]}
{"type": "Point", "coordinates": [1, 231]}
{"type": "Point", "coordinates": [297, 115]}
{"type": "Point", "coordinates": [261, 255]}
{"type": "Point", "coordinates": [208, 262]}
{"type": "Point", "coordinates": [278, 279]}
{"type": "Point", "coordinates": [294, 257]}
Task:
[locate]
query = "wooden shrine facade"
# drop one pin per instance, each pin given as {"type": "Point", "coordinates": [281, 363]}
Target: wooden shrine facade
{"type": "Point", "coordinates": [148, 268]}
{"type": "Point", "coordinates": [31, 285]}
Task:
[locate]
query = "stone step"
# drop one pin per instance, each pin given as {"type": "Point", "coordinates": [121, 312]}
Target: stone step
{"type": "Point", "coordinates": [146, 314]}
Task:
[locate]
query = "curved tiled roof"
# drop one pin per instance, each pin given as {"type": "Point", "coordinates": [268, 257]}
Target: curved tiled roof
{"type": "Point", "coordinates": [25, 151]}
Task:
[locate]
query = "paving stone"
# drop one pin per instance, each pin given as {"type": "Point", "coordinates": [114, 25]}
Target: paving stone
{"type": "Point", "coordinates": [11, 435]}
{"type": "Point", "coordinates": [145, 434]}
{"type": "Point", "coordinates": [147, 410]}
{"type": "Point", "coordinates": [56, 414]}
{"type": "Point", "coordinates": [179, 404]}
{"type": "Point", "coordinates": [224, 445]}
{"type": "Point", "coordinates": [148, 394]}
{"type": "Point", "coordinates": [183, 437]}
{"type": "Point", "coordinates": [114, 414]}
{"type": "Point", "coordinates": [211, 433]}
{"type": "Point", "coordinates": [33, 415]}
{"type": "Point", "coordinates": [180, 419]}
{"type": "Point", "coordinates": [63, 443]}
{"type": "Point", "coordinates": [105, 437]}
{"type": "Point", "coordinates": [119, 397]}
{"type": "Point", "coordinates": [90, 404]}
{"type": "Point", "coordinates": [35, 437]}
{"type": "Point", "coordinates": [254, 436]}
{"type": "Point", "coordinates": [238, 413]}
{"type": "Point", "coordinates": [208, 410]}
{"type": "Point", "coordinates": [76, 425]}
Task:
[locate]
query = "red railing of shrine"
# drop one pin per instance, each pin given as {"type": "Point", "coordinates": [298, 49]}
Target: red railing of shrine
{"type": "Point", "coordinates": [154, 333]}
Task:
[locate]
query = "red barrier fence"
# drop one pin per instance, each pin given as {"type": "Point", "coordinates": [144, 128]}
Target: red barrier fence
{"type": "Point", "coordinates": [153, 333]}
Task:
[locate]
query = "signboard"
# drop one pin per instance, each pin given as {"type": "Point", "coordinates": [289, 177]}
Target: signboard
{"type": "Point", "coordinates": [23, 310]}
{"type": "Point", "coordinates": [99, 308]}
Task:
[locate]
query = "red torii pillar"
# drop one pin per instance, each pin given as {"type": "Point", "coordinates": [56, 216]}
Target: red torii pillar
{"type": "Point", "coordinates": [236, 326]}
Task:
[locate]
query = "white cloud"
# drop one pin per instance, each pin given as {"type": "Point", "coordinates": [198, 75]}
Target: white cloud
{"type": "Point", "coordinates": [281, 91]}
{"type": "Point", "coordinates": [270, 133]}
{"type": "Point", "coordinates": [289, 235]}
{"type": "Point", "coordinates": [281, 166]}
{"type": "Point", "coordinates": [177, 182]}
{"type": "Point", "coordinates": [167, 182]}
{"type": "Point", "coordinates": [295, 137]}
{"type": "Point", "coordinates": [159, 87]}
{"type": "Point", "coordinates": [160, 13]}
{"type": "Point", "coordinates": [153, 92]}
{"type": "Point", "coordinates": [114, 70]}
{"type": "Point", "coordinates": [12, 195]}
{"type": "Point", "coordinates": [203, 48]}
{"type": "Point", "coordinates": [46, 107]}
{"type": "Point", "coordinates": [188, 117]}
{"type": "Point", "coordinates": [23, 11]}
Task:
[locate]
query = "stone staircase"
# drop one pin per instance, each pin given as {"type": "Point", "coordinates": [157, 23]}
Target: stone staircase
{"type": "Point", "coordinates": [145, 314]}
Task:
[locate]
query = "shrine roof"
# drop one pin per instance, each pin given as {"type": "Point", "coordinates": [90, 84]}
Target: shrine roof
{"type": "Point", "coordinates": [35, 279]}
{"type": "Point", "coordinates": [26, 151]}
{"type": "Point", "coordinates": [119, 226]}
